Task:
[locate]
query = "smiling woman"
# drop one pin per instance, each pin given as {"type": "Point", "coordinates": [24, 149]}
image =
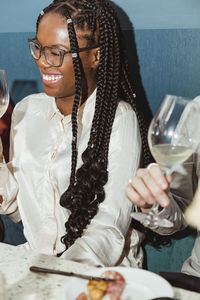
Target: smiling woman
{"type": "Point", "coordinates": [60, 83]}
{"type": "Point", "coordinates": [68, 189]}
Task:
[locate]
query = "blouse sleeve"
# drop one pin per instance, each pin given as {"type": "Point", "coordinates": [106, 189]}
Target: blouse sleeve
{"type": "Point", "coordinates": [103, 241]}
{"type": "Point", "coordinates": [181, 193]}
{"type": "Point", "coordinates": [9, 187]}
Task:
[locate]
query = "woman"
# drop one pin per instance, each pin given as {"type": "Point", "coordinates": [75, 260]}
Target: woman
{"type": "Point", "coordinates": [75, 147]}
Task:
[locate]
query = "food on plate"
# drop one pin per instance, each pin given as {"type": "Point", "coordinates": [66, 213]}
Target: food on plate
{"type": "Point", "coordinates": [114, 289]}
{"type": "Point", "coordinates": [98, 290]}
{"type": "Point", "coordinates": [82, 296]}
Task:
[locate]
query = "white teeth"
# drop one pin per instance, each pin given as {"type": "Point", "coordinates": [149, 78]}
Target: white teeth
{"type": "Point", "coordinates": [51, 77]}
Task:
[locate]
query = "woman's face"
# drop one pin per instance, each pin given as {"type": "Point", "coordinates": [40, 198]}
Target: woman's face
{"type": "Point", "coordinates": [59, 82]}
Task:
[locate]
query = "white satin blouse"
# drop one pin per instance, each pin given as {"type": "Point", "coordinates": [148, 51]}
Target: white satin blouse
{"type": "Point", "coordinates": [39, 171]}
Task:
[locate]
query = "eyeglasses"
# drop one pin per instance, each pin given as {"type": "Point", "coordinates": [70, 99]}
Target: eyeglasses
{"type": "Point", "coordinates": [53, 55]}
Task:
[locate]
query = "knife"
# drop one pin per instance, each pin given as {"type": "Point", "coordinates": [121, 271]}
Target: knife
{"type": "Point", "coordinates": [82, 276]}
{"type": "Point", "coordinates": [163, 298]}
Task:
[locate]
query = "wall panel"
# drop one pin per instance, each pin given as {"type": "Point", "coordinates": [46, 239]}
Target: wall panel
{"type": "Point", "coordinates": [169, 62]}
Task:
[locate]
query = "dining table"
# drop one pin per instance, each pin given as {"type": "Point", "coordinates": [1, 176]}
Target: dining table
{"type": "Point", "coordinates": [23, 284]}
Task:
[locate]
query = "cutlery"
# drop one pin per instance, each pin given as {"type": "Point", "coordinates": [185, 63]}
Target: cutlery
{"type": "Point", "coordinates": [163, 298]}
{"type": "Point", "coordinates": [82, 276]}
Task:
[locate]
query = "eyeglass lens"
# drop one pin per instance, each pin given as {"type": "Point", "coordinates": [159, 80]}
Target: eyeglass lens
{"type": "Point", "coordinates": [52, 55]}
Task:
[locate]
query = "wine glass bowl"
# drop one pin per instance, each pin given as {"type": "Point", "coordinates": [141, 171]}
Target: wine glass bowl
{"type": "Point", "coordinates": [168, 137]}
{"type": "Point", "coordinates": [4, 93]}
{"type": "Point", "coordinates": [173, 136]}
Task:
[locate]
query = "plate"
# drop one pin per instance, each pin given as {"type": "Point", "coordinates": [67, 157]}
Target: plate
{"type": "Point", "coordinates": [140, 284]}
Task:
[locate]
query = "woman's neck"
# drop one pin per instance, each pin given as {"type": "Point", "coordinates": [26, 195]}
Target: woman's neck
{"type": "Point", "coordinates": [65, 104]}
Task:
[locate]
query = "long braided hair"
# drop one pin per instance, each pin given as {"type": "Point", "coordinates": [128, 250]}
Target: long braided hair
{"type": "Point", "coordinates": [86, 188]}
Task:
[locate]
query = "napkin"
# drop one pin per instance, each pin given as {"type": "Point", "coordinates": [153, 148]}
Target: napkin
{"type": "Point", "coordinates": [183, 281]}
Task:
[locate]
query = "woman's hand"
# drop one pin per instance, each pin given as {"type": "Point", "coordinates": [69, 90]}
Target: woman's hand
{"type": "Point", "coordinates": [149, 184]}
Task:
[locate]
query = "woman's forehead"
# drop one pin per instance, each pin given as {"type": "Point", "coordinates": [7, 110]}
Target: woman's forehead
{"type": "Point", "coordinates": [53, 20]}
{"type": "Point", "coordinates": [53, 28]}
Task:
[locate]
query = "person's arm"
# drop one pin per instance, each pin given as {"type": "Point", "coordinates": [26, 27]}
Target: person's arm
{"type": "Point", "coordinates": [104, 239]}
{"type": "Point", "coordinates": [8, 186]}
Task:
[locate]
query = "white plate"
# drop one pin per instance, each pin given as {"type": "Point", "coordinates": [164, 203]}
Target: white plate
{"type": "Point", "coordinates": [140, 284]}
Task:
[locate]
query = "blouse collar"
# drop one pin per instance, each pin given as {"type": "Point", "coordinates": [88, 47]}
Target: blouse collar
{"type": "Point", "coordinates": [85, 112]}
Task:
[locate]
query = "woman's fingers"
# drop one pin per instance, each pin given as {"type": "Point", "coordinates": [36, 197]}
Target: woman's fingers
{"type": "Point", "coordinates": [161, 179]}
{"type": "Point", "coordinates": [149, 184]}
{"type": "Point", "coordinates": [135, 192]}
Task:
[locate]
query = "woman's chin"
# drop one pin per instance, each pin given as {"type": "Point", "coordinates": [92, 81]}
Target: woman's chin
{"type": "Point", "coordinates": [49, 91]}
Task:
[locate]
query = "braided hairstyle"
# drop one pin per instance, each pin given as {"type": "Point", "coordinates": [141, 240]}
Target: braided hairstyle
{"type": "Point", "coordinates": [86, 189]}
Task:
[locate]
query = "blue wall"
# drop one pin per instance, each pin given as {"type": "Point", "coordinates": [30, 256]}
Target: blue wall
{"type": "Point", "coordinates": [151, 14]}
{"type": "Point", "coordinates": [169, 62]}
{"type": "Point", "coordinates": [167, 36]}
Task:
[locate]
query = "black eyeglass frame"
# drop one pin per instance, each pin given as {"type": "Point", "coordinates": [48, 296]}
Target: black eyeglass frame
{"type": "Point", "coordinates": [62, 52]}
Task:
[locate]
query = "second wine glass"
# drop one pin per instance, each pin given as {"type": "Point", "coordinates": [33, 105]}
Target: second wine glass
{"type": "Point", "coordinates": [172, 138]}
{"type": "Point", "coordinates": [4, 93]}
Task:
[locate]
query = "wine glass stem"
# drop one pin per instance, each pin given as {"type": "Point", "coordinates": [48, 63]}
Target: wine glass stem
{"type": "Point", "coordinates": [155, 207]}
{"type": "Point", "coordinates": [166, 171]}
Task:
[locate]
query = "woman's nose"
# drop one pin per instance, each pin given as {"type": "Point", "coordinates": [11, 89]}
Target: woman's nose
{"type": "Point", "coordinates": [42, 61]}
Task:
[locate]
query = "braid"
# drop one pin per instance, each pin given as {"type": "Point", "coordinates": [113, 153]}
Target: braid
{"type": "Point", "coordinates": [86, 189]}
{"type": "Point", "coordinates": [77, 71]}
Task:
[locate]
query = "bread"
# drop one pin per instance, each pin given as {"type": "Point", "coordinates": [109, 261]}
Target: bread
{"type": "Point", "coordinates": [96, 289]}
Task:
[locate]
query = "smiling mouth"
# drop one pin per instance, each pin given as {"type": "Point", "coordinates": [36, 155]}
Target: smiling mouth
{"type": "Point", "coordinates": [51, 79]}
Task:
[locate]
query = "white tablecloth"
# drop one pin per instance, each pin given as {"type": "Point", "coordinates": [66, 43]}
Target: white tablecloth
{"type": "Point", "coordinates": [22, 284]}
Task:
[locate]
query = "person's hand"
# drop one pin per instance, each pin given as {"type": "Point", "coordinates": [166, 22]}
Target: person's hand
{"type": "Point", "coordinates": [149, 184]}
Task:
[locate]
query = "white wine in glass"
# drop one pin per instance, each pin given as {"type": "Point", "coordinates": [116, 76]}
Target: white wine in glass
{"type": "Point", "coordinates": [170, 156]}
{"type": "Point", "coordinates": [173, 136]}
{"type": "Point", "coordinates": [4, 93]}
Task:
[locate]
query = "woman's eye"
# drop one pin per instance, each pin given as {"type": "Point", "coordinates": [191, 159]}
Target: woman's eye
{"type": "Point", "coordinates": [37, 48]}
{"type": "Point", "coordinates": [55, 53]}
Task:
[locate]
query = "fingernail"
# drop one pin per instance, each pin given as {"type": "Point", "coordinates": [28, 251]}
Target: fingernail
{"type": "Point", "coordinates": [164, 202]}
{"type": "Point", "coordinates": [141, 203]}
{"type": "Point", "coordinates": [151, 200]}
{"type": "Point", "coordinates": [163, 184]}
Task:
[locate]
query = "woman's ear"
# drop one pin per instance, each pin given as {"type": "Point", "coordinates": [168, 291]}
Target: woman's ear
{"type": "Point", "coordinates": [96, 58]}
{"type": "Point", "coordinates": [98, 55]}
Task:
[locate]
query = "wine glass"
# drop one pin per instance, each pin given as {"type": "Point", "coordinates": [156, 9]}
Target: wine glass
{"type": "Point", "coordinates": [4, 93]}
{"type": "Point", "coordinates": [173, 136]}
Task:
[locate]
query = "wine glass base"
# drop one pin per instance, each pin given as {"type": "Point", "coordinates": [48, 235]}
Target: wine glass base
{"type": "Point", "coordinates": [151, 219]}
